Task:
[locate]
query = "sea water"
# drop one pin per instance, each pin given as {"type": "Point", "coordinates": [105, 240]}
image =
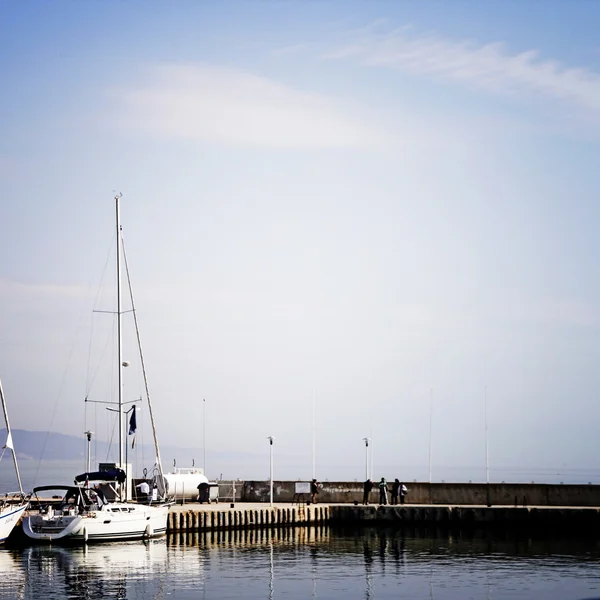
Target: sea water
{"type": "Point", "coordinates": [301, 563]}
{"type": "Point", "coordinates": [34, 473]}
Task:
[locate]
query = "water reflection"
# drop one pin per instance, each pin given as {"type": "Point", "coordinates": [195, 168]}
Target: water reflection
{"type": "Point", "coordinates": [87, 572]}
{"type": "Point", "coordinates": [307, 562]}
{"type": "Point", "coordinates": [271, 573]}
{"type": "Point", "coordinates": [10, 570]}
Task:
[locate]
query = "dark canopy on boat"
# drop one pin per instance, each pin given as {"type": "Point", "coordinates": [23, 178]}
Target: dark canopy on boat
{"type": "Point", "coordinates": [45, 488]}
{"type": "Point", "coordinates": [111, 475]}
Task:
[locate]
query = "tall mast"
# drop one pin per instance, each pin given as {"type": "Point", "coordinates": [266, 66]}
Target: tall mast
{"type": "Point", "coordinates": [9, 442]}
{"type": "Point", "coordinates": [119, 343]}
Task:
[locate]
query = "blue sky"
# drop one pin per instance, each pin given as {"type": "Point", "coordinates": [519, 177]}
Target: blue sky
{"type": "Point", "coordinates": [358, 202]}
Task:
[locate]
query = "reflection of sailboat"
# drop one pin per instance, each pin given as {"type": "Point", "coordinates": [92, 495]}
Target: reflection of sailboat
{"type": "Point", "coordinates": [108, 559]}
{"type": "Point", "coordinates": [96, 571]}
{"type": "Point", "coordinates": [12, 574]}
{"type": "Point", "coordinates": [12, 505]}
{"type": "Point", "coordinates": [84, 514]}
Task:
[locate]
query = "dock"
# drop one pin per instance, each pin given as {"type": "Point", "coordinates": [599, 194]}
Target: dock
{"type": "Point", "coordinates": [195, 517]}
{"type": "Point", "coordinates": [244, 515]}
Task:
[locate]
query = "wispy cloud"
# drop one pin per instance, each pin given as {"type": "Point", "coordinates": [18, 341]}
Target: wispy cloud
{"type": "Point", "coordinates": [10, 289]}
{"type": "Point", "coordinates": [490, 67]}
{"type": "Point", "coordinates": [229, 106]}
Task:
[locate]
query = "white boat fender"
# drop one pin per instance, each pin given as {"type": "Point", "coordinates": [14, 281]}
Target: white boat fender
{"type": "Point", "coordinates": [149, 531]}
{"type": "Point", "coordinates": [85, 534]}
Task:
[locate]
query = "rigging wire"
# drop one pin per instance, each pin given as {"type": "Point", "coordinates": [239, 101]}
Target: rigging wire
{"type": "Point", "coordinates": [61, 387]}
{"type": "Point", "coordinates": [137, 332]}
{"type": "Point", "coordinates": [90, 379]}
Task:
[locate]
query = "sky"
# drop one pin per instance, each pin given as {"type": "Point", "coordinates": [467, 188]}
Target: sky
{"type": "Point", "coordinates": [342, 220]}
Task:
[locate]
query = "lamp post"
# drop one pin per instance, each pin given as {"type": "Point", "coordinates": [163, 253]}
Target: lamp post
{"type": "Point", "coordinates": [366, 441]}
{"type": "Point", "coordinates": [430, 428]}
{"type": "Point", "coordinates": [487, 462]}
{"type": "Point", "coordinates": [88, 435]}
{"type": "Point", "coordinates": [271, 438]}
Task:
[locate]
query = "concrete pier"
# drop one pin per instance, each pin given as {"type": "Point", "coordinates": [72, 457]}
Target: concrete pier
{"type": "Point", "coordinates": [214, 517]}
{"type": "Point", "coordinates": [205, 518]}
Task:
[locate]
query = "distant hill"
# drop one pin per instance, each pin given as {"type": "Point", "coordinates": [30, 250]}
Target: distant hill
{"type": "Point", "coordinates": [49, 445]}
{"type": "Point", "coordinates": [52, 446]}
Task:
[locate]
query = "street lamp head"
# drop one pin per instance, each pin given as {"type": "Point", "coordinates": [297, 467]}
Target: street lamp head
{"type": "Point", "coordinates": [270, 438]}
{"type": "Point", "coordinates": [366, 441]}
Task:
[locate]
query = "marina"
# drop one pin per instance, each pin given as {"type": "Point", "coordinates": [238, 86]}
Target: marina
{"type": "Point", "coordinates": [99, 507]}
{"type": "Point", "coordinates": [229, 509]}
{"type": "Point", "coordinates": [300, 300]}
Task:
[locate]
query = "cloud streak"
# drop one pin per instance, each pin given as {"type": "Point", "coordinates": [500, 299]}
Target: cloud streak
{"type": "Point", "coordinates": [489, 67]}
{"type": "Point", "coordinates": [232, 107]}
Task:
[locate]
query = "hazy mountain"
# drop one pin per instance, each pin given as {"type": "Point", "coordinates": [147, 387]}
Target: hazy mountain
{"type": "Point", "coordinates": [50, 445]}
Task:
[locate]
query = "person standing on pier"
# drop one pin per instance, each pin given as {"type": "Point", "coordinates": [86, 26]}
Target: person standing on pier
{"type": "Point", "coordinates": [403, 492]}
{"type": "Point", "coordinates": [314, 490]}
{"type": "Point", "coordinates": [395, 490]}
{"type": "Point", "coordinates": [383, 490]}
{"type": "Point", "coordinates": [367, 487]}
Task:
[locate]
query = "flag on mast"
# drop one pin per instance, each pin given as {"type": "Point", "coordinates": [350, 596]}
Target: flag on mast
{"type": "Point", "coordinates": [132, 425]}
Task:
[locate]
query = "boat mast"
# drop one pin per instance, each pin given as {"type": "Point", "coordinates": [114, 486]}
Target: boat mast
{"type": "Point", "coordinates": [119, 343]}
{"type": "Point", "coordinates": [9, 442]}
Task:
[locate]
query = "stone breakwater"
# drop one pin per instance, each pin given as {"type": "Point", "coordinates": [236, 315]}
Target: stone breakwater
{"type": "Point", "coordinates": [197, 518]}
{"type": "Point", "coordinates": [445, 494]}
{"type": "Point", "coordinates": [577, 519]}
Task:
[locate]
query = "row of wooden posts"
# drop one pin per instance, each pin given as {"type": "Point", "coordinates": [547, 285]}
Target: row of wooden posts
{"type": "Point", "coordinates": [198, 520]}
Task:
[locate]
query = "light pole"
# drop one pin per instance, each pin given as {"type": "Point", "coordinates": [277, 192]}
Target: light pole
{"type": "Point", "coordinates": [366, 441]}
{"type": "Point", "coordinates": [430, 428]}
{"type": "Point", "coordinates": [487, 462]}
{"type": "Point", "coordinates": [271, 438]}
{"type": "Point", "coordinates": [88, 435]}
{"type": "Point", "coordinates": [204, 434]}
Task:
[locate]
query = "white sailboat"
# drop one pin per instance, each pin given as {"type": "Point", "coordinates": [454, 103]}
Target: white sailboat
{"type": "Point", "coordinates": [83, 514]}
{"type": "Point", "coordinates": [12, 505]}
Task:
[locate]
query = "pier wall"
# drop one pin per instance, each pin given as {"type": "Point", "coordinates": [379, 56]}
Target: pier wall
{"type": "Point", "coordinates": [196, 518]}
{"type": "Point", "coordinates": [572, 520]}
{"type": "Point", "coordinates": [495, 494]}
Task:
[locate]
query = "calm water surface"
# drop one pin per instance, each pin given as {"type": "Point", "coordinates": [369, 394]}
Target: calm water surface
{"type": "Point", "coordinates": [307, 563]}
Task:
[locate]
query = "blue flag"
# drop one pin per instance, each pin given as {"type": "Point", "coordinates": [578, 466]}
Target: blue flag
{"type": "Point", "coordinates": [132, 422]}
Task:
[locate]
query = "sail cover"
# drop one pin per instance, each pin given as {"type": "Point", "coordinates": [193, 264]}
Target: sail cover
{"type": "Point", "coordinates": [110, 475]}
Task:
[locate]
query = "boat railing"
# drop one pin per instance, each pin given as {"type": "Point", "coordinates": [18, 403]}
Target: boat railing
{"type": "Point", "coordinates": [12, 498]}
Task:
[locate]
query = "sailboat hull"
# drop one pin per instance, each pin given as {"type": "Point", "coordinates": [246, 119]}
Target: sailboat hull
{"type": "Point", "coordinates": [115, 521]}
{"type": "Point", "coordinates": [9, 517]}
